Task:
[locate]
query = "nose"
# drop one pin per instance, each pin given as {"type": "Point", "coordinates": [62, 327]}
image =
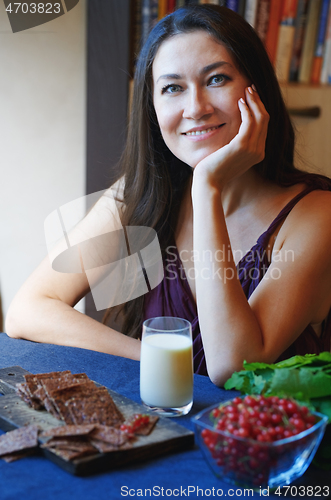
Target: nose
{"type": "Point", "coordinates": [197, 104]}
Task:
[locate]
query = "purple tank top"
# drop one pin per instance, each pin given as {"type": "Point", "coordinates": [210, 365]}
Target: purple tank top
{"type": "Point", "coordinates": [173, 296]}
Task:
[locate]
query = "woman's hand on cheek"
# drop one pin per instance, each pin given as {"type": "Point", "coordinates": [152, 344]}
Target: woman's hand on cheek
{"type": "Point", "coordinates": [246, 149]}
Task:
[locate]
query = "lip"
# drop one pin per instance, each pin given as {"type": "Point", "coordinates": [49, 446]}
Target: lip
{"type": "Point", "coordinates": [207, 131]}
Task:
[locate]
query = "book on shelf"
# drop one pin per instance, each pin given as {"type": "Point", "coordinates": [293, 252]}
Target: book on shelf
{"type": "Point", "coordinates": [285, 40]}
{"type": "Point", "coordinates": [154, 13]}
{"type": "Point", "coordinates": [319, 47]}
{"type": "Point", "coordinates": [241, 7]}
{"type": "Point", "coordinates": [250, 11]}
{"type": "Point", "coordinates": [309, 41]}
{"type": "Point", "coordinates": [213, 2]}
{"type": "Point", "coordinates": [149, 17]}
{"type": "Point", "coordinates": [232, 4]}
{"type": "Point", "coordinates": [262, 18]}
{"type": "Point", "coordinates": [326, 66]}
{"type": "Point", "coordinates": [275, 15]}
{"type": "Point", "coordinates": [171, 6]}
{"type": "Point", "coordinates": [300, 27]}
{"type": "Point", "coordinates": [162, 9]}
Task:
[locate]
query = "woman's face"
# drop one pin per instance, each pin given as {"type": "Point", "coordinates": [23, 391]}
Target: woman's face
{"type": "Point", "coordinates": [196, 88]}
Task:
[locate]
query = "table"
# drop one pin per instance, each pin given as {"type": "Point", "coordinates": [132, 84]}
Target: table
{"type": "Point", "coordinates": [35, 478]}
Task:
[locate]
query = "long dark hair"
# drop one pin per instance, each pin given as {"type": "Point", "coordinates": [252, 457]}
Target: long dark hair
{"type": "Point", "coordinates": [154, 178]}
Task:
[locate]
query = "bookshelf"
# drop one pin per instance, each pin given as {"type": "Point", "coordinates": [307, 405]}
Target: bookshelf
{"type": "Point", "coordinates": [296, 33]}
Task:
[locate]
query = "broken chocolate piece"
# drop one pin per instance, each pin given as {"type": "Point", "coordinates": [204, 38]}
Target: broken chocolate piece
{"type": "Point", "coordinates": [97, 407]}
{"type": "Point", "coordinates": [70, 448]}
{"type": "Point", "coordinates": [20, 439]}
{"type": "Point", "coordinates": [68, 431]}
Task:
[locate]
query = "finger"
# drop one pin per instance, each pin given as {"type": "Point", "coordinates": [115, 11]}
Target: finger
{"type": "Point", "coordinates": [252, 132]}
{"type": "Point", "coordinates": [246, 116]}
{"type": "Point", "coordinates": [257, 109]}
{"type": "Point", "coordinates": [259, 114]}
{"type": "Point", "coordinates": [247, 122]}
{"type": "Point", "coordinates": [253, 97]}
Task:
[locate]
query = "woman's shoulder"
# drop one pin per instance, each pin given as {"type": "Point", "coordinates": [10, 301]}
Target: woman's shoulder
{"type": "Point", "coordinates": [309, 220]}
{"type": "Point", "coordinates": [114, 193]}
{"type": "Point", "coordinates": [112, 198]}
{"type": "Point", "coordinates": [105, 212]}
{"type": "Point", "coordinates": [117, 189]}
{"type": "Point", "coordinates": [316, 203]}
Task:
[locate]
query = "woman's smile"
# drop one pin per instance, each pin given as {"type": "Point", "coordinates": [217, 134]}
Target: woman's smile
{"type": "Point", "coordinates": [202, 133]}
{"type": "Point", "coordinates": [196, 88]}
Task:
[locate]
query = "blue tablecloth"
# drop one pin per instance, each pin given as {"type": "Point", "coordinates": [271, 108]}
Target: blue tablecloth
{"type": "Point", "coordinates": [180, 475]}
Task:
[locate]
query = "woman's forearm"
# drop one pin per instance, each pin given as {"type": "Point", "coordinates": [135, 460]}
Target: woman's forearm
{"type": "Point", "coordinates": [229, 329]}
{"type": "Point", "coordinates": [52, 321]}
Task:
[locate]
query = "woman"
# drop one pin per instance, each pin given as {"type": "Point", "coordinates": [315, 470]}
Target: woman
{"type": "Point", "coordinates": [209, 165]}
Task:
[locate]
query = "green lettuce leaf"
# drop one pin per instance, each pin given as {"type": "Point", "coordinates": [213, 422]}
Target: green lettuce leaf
{"type": "Point", "coordinates": [242, 381]}
{"type": "Point", "coordinates": [323, 405]}
{"type": "Point", "coordinates": [307, 383]}
{"type": "Point", "coordinates": [305, 378]}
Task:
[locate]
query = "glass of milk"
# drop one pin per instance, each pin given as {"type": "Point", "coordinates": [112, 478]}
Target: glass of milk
{"type": "Point", "coordinates": [166, 366]}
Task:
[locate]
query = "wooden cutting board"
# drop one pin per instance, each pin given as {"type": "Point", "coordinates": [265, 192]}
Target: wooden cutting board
{"type": "Point", "coordinates": [166, 437]}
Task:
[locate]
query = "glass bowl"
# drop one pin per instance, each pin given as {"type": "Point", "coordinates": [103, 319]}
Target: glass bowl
{"type": "Point", "coordinates": [249, 463]}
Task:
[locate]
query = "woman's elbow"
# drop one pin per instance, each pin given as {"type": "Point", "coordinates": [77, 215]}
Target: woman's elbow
{"type": "Point", "coordinates": [11, 327]}
{"type": "Point", "coordinates": [220, 371]}
{"type": "Point", "coordinates": [13, 323]}
{"type": "Point", "coordinates": [219, 376]}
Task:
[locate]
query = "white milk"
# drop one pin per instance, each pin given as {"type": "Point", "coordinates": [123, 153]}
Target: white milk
{"type": "Point", "coordinates": [166, 370]}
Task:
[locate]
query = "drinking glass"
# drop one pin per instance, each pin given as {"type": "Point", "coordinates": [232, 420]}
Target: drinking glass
{"type": "Point", "coordinates": [166, 366]}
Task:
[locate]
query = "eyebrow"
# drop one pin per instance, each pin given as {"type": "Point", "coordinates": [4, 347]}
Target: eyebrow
{"type": "Point", "coordinates": [203, 71]}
